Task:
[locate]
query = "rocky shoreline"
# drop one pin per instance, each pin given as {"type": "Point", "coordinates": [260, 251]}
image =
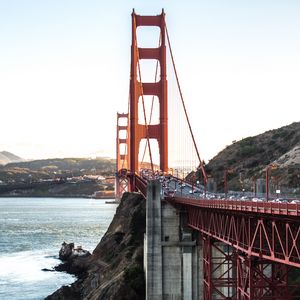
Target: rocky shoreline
{"type": "Point", "coordinates": [115, 268]}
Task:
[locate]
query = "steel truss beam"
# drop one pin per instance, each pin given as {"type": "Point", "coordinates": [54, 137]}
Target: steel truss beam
{"type": "Point", "coordinates": [259, 279]}
{"type": "Point", "coordinates": [232, 275]}
{"type": "Point", "coordinates": [122, 183]}
{"type": "Point", "coordinates": [219, 274]}
{"type": "Point", "coordinates": [273, 238]}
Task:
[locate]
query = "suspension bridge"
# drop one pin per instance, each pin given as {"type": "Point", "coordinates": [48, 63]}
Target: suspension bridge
{"type": "Point", "coordinates": [199, 244]}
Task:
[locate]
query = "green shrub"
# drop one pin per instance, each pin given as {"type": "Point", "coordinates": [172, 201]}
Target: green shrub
{"type": "Point", "coordinates": [247, 151]}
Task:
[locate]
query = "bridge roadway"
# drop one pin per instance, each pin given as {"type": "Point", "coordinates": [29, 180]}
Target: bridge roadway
{"type": "Point", "coordinates": [264, 229]}
{"type": "Point", "coordinates": [174, 189]}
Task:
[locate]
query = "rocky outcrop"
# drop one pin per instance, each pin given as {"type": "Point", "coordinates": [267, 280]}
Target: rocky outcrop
{"type": "Point", "coordinates": [115, 268]}
{"type": "Point", "coordinates": [70, 252]}
{"type": "Point", "coordinates": [75, 259]}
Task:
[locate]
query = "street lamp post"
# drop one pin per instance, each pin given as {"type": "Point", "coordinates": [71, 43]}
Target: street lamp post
{"type": "Point", "coordinates": [273, 167]}
{"type": "Point", "coordinates": [254, 187]}
{"type": "Point", "coordinates": [225, 183]}
{"type": "Point", "coordinates": [267, 182]}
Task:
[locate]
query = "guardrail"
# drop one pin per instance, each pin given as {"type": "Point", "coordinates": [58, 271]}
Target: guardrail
{"type": "Point", "coordinates": [287, 209]}
{"type": "Point", "coordinates": [141, 185]}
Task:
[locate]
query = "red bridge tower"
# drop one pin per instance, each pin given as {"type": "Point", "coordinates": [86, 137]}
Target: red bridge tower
{"type": "Point", "coordinates": [140, 89]}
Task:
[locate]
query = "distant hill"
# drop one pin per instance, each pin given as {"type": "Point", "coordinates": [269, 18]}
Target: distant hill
{"type": "Point", "coordinates": [60, 167]}
{"type": "Point", "coordinates": [8, 157]}
{"type": "Point", "coordinates": [248, 158]}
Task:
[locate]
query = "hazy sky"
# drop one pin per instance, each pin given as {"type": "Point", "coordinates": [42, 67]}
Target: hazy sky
{"type": "Point", "coordinates": [64, 70]}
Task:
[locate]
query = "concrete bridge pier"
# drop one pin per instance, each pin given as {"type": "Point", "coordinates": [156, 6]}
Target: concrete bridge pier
{"type": "Point", "coordinates": [172, 259]}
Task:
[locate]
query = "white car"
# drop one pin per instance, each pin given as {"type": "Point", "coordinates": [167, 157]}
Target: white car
{"type": "Point", "coordinates": [257, 200]}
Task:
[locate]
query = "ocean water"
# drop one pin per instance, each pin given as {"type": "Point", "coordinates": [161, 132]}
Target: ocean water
{"type": "Point", "coordinates": [31, 233]}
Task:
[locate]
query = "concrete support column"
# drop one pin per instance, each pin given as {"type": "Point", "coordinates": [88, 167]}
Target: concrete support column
{"type": "Point", "coordinates": [152, 247]}
{"type": "Point", "coordinates": [171, 256]}
{"type": "Point", "coordinates": [187, 269]}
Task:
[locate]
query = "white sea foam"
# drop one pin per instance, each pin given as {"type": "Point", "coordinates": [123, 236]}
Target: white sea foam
{"type": "Point", "coordinates": [26, 266]}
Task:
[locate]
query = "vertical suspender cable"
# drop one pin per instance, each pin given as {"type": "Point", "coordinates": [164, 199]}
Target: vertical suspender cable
{"type": "Point", "coordinates": [184, 108]}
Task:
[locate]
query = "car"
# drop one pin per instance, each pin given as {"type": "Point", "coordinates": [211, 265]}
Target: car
{"type": "Point", "coordinates": [295, 201]}
{"type": "Point", "coordinates": [257, 200]}
{"type": "Point", "coordinates": [284, 201]}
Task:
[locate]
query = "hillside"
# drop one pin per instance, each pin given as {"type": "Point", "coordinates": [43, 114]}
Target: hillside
{"type": "Point", "coordinates": [68, 177]}
{"type": "Point", "coordinates": [8, 157]}
{"type": "Point", "coordinates": [51, 168]}
{"type": "Point", "coordinates": [248, 158]}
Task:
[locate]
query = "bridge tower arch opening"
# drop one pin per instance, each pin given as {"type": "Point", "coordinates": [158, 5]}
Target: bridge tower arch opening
{"type": "Point", "coordinates": [144, 155]}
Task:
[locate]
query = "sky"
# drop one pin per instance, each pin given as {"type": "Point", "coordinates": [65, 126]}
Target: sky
{"type": "Point", "coordinates": [64, 70]}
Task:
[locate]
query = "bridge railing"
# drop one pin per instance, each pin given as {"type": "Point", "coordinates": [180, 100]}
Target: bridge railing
{"type": "Point", "coordinates": [141, 185]}
{"type": "Point", "coordinates": [288, 209]}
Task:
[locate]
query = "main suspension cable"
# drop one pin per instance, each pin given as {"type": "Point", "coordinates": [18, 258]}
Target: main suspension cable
{"type": "Point", "coordinates": [184, 108]}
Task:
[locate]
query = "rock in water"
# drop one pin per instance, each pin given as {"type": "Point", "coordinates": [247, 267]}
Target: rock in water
{"type": "Point", "coordinates": [66, 251]}
{"type": "Point", "coordinates": [75, 259]}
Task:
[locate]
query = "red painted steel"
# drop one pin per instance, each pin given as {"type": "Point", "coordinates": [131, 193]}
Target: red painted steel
{"type": "Point", "coordinates": [263, 208]}
{"type": "Point", "coordinates": [141, 185]}
{"type": "Point", "coordinates": [259, 279]}
{"type": "Point", "coordinates": [219, 276]}
{"type": "Point", "coordinates": [121, 157]}
{"type": "Point", "coordinates": [273, 237]}
{"type": "Point", "coordinates": [138, 89]}
{"type": "Point", "coordinates": [230, 274]}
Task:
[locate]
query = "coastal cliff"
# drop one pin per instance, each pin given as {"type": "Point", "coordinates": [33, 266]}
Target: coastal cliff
{"type": "Point", "coordinates": [115, 268]}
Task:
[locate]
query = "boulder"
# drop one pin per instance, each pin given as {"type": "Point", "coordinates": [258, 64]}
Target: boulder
{"type": "Point", "coordinates": [69, 252]}
{"type": "Point", "coordinates": [66, 251]}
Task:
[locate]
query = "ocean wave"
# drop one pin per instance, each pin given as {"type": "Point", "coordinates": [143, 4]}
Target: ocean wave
{"type": "Point", "coordinates": [26, 266]}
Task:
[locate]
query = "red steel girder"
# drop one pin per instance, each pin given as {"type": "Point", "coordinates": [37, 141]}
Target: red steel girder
{"type": "Point", "coordinates": [122, 183]}
{"type": "Point", "coordinates": [274, 238]}
{"type": "Point", "coordinates": [219, 275]}
{"type": "Point", "coordinates": [259, 279]}
{"type": "Point", "coordinates": [262, 208]}
{"type": "Point", "coordinates": [232, 275]}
